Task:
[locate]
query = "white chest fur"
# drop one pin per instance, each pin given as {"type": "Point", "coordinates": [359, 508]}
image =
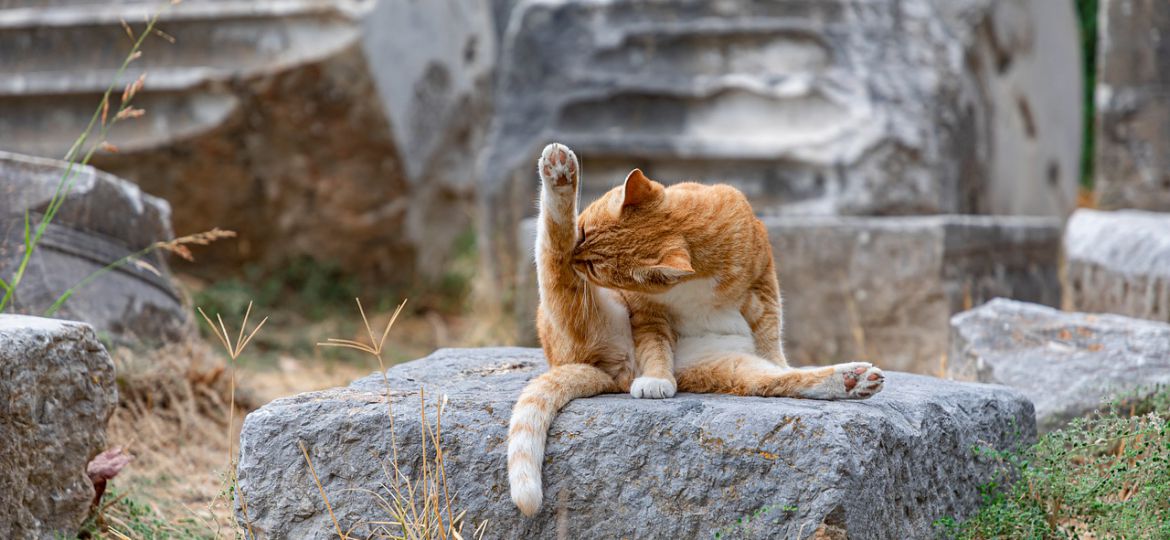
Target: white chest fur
{"type": "Point", "coordinates": [696, 311]}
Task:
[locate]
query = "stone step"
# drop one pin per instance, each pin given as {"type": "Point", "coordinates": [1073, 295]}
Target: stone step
{"type": "Point", "coordinates": [686, 467]}
{"type": "Point", "coordinates": [882, 289]}
{"type": "Point", "coordinates": [1067, 363]}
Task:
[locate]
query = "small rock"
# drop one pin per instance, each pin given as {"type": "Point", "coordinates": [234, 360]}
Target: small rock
{"type": "Point", "coordinates": [1118, 262]}
{"type": "Point", "coordinates": [1066, 363]}
{"type": "Point", "coordinates": [617, 467]}
{"type": "Point", "coordinates": [57, 392]}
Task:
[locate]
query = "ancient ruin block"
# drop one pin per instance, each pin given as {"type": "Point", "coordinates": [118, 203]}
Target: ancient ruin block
{"type": "Point", "coordinates": [617, 467]}
{"type": "Point", "coordinates": [1118, 262]}
{"type": "Point", "coordinates": [827, 107]}
{"type": "Point", "coordinates": [293, 123]}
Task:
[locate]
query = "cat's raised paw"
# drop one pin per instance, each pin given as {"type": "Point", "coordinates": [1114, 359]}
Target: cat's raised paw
{"type": "Point", "coordinates": [558, 166]}
{"type": "Point", "coordinates": [652, 388]}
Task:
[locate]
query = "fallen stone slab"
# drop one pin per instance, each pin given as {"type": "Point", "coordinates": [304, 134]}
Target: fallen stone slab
{"type": "Point", "coordinates": [882, 289]}
{"type": "Point", "coordinates": [57, 392]}
{"type": "Point", "coordinates": [1132, 144]}
{"type": "Point", "coordinates": [1118, 262]}
{"type": "Point", "coordinates": [1066, 363]}
{"type": "Point", "coordinates": [826, 107]}
{"type": "Point", "coordinates": [103, 219]}
{"type": "Point", "coordinates": [617, 467]}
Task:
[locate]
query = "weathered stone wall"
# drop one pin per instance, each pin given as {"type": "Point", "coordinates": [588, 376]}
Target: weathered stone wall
{"type": "Point", "coordinates": [1118, 262]}
{"type": "Point", "coordinates": [617, 467]}
{"type": "Point", "coordinates": [57, 392]}
{"type": "Point", "coordinates": [883, 289]}
{"type": "Point", "coordinates": [1133, 105]}
{"type": "Point", "coordinates": [826, 107]}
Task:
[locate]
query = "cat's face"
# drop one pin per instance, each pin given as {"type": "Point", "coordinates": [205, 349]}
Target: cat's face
{"type": "Point", "coordinates": [629, 239]}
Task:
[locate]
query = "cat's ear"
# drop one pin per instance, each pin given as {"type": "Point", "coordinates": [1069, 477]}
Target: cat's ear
{"type": "Point", "coordinates": [675, 265]}
{"type": "Point", "coordinates": [639, 189]}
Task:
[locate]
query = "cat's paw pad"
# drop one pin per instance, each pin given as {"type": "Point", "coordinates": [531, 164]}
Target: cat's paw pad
{"type": "Point", "coordinates": [652, 388]}
{"type": "Point", "coordinates": [558, 167]}
{"type": "Point", "coordinates": [861, 380]}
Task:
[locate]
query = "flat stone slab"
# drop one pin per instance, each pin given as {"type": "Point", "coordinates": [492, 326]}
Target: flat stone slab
{"type": "Point", "coordinates": [57, 392]}
{"type": "Point", "coordinates": [1066, 363]}
{"type": "Point", "coordinates": [617, 467]}
{"type": "Point", "coordinates": [1118, 262]}
{"type": "Point", "coordinates": [882, 289]}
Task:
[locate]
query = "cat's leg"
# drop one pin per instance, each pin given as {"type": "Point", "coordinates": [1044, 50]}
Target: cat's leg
{"type": "Point", "coordinates": [763, 311]}
{"type": "Point", "coordinates": [565, 298]}
{"type": "Point", "coordinates": [653, 351]}
{"type": "Point", "coordinates": [749, 375]}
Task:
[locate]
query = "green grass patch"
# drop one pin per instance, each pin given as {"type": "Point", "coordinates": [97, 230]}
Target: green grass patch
{"type": "Point", "coordinates": [1104, 476]}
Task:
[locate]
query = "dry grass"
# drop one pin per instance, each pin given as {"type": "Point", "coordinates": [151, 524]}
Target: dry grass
{"type": "Point", "coordinates": [418, 508]}
{"type": "Point", "coordinates": [173, 416]}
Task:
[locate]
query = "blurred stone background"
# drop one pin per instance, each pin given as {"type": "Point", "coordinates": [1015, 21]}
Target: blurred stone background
{"type": "Point", "coordinates": [912, 158]}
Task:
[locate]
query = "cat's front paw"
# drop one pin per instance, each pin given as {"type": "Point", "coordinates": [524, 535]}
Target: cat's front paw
{"type": "Point", "coordinates": [652, 388]}
{"type": "Point", "coordinates": [558, 167]}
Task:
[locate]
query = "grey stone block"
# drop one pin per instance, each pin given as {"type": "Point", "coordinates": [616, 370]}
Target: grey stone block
{"type": "Point", "coordinates": [1118, 262]}
{"type": "Point", "coordinates": [617, 467]}
{"type": "Point", "coordinates": [1068, 364]}
{"type": "Point", "coordinates": [57, 392]}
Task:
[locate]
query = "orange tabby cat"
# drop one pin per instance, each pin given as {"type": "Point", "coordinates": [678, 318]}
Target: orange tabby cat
{"type": "Point", "coordinates": [653, 290]}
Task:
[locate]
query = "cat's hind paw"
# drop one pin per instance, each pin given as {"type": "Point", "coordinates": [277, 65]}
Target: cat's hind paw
{"type": "Point", "coordinates": [558, 167]}
{"type": "Point", "coordinates": [856, 380]}
{"type": "Point", "coordinates": [652, 388]}
{"type": "Point", "coordinates": [861, 380]}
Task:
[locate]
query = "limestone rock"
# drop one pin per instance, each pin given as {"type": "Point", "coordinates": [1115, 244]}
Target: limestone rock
{"type": "Point", "coordinates": [617, 467]}
{"type": "Point", "coordinates": [1133, 106]}
{"type": "Point", "coordinates": [1118, 262]}
{"type": "Point", "coordinates": [827, 107]}
{"type": "Point", "coordinates": [1066, 363]}
{"type": "Point", "coordinates": [284, 121]}
{"type": "Point", "coordinates": [57, 391]}
{"type": "Point", "coordinates": [103, 219]}
{"type": "Point", "coordinates": [882, 289]}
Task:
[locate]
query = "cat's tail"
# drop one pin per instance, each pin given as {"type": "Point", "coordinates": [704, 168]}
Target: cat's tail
{"type": "Point", "coordinates": [531, 417]}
